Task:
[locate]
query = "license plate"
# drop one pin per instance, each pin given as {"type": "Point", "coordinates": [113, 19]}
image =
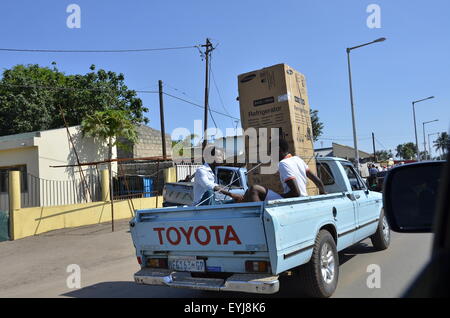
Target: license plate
{"type": "Point", "coordinates": [186, 264]}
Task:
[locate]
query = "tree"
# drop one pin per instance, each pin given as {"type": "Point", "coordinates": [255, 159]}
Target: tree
{"type": "Point", "coordinates": [383, 155]}
{"type": "Point", "coordinates": [110, 125]}
{"type": "Point", "coordinates": [179, 146]}
{"type": "Point", "coordinates": [317, 126]}
{"type": "Point", "coordinates": [28, 90]}
{"type": "Point", "coordinates": [442, 143]}
{"type": "Point", "coordinates": [406, 151]}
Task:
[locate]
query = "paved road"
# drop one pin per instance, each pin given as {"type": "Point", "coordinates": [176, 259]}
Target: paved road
{"type": "Point", "coordinates": [36, 266]}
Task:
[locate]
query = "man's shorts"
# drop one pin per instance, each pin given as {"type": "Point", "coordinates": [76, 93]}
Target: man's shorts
{"type": "Point", "coordinates": [272, 195]}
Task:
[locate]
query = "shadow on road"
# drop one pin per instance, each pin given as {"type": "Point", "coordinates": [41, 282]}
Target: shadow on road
{"type": "Point", "coordinates": [352, 251]}
{"type": "Point", "coordinates": [133, 290]}
{"type": "Point", "coordinates": [130, 289]}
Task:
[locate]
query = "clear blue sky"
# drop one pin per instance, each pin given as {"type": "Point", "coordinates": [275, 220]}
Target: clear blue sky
{"type": "Point", "coordinates": [311, 36]}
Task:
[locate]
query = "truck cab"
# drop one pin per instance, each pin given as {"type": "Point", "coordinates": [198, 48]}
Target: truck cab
{"type": "Point", "coordinates": [182, 193]}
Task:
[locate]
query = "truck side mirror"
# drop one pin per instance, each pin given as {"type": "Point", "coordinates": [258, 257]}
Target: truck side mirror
{"type": "Point", "coordinates": [411, 195]}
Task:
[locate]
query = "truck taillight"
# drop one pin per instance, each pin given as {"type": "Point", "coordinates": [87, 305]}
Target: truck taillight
{"type": "Point", "coordinates": [157, 262]}
{"type": "Point", "coordinates": [257, 266]}
{"type": "Point", "coordinates": [139, 259]}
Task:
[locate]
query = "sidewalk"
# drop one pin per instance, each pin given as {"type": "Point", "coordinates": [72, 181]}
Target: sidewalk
{"type": "Point", "coordinates": [36, 260]}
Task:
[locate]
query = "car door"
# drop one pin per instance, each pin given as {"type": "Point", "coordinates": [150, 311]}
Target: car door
{"type": "Point", "coordinates": [366, 212]}
{"type": "Point", "coordinates": [344, 210]}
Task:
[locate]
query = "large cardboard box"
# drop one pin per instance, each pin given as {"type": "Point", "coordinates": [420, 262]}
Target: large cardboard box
{"type": "Point", "coordinates": [276, 97]}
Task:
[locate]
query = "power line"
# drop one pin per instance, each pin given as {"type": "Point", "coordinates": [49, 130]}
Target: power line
{"type": "Point", "coordinates": [384, 147]}
{"type": "Point", "coordinates": [97, 51]}
{"type": "Point", "coordinates": [109, 90]}
{"type": "Point", "coordinates": [218, 93]}
{"type": "Point", "coordinates": [62, 88]}
{"type": "Point", "coordinates": [209, 81]}
{"type": "Point", "coordinates": [194, 104]}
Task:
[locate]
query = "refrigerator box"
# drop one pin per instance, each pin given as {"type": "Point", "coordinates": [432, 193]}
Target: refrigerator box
{"type": "Point", "coordinates": [276, 97]}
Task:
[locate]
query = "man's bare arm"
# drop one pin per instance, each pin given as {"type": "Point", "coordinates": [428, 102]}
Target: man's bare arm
{"type": "Point", "coordinates": [293, 189]}
{"type": "Point", "coordinates": [235, 196]}
{"type": "Point", "coordinates": [316, 181]}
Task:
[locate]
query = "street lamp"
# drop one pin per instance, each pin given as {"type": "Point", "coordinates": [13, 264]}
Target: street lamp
{"type": "Point", "coordinates": [355, 142]}
{"type": "Point", "coordinates": [415, 126]}
{"type": "Point", "coordinates": [424, 142]}
{"type": "Point", "coordinates": [429, 144]}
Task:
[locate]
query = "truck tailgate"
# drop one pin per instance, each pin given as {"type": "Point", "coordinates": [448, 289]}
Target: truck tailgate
{"type": "Point", "coordinates": [220, 228]}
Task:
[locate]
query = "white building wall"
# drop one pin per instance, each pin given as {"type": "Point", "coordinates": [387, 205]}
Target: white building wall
{"type": "Point", "coordinates": [55, 149]}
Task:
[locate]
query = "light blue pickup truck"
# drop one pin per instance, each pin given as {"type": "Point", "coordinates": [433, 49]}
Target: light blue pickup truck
{"type": "Point", "coordinates": [246, 247]}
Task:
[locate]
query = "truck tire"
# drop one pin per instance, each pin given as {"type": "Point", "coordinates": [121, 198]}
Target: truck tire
{"type": "Point", "coordinates": [319, 277]}
{"type": "Point", "coordinates": [382, 237]}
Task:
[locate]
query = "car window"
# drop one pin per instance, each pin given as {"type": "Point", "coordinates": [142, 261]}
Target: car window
{"type": "Point", "coordinates": [325, 174]}
{"type": "Point", "coordinates": [352, 177]}
{"type": "Point", "coordinates": [228, 177]}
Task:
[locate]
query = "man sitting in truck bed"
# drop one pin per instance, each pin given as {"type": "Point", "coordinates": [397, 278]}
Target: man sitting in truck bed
{"type": "Point", "coordinates": [293, 176]}
{"type": "Point", "coordinates": [204, 182]}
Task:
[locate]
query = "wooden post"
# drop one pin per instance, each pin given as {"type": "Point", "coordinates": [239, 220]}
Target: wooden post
{"type": "Point", "coordinates": [161, 115]}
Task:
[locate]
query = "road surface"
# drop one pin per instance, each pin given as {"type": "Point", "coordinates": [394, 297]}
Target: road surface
{"type": "Point", "coordinates": [37, 266]}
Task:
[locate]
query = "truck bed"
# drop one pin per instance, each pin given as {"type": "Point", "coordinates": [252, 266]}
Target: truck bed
{"type": "Point", "coordinates": [228, 235]}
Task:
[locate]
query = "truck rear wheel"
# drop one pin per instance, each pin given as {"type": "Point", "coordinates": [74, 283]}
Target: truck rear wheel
{"type": "Point", "coordinates": [319, 277]}
{"type": "Point", "coordinates": [382, 237]}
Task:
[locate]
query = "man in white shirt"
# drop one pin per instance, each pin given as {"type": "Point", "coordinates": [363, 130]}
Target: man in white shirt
{"type": "Point", "coordinates": [294, 174]}
{"type": "Point", "coordinates": [204, 182]}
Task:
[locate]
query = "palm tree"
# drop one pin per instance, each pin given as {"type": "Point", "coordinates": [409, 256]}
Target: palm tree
{"type": "Point", "coordinates": [442, 143]}
{"type": "Point", "coordinates": [178, 146]}
{"type": "Point", "coordinates": [110, 125]}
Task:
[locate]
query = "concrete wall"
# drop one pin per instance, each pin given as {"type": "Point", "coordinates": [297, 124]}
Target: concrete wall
{"type": "Point", "coordinates": [148, 145]}
{"type": "Point", "coordinates": [31, 221]}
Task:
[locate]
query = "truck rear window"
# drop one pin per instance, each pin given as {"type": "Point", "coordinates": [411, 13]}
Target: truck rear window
{"type": "Point", "coordinates": [227, 177]}
{"type": "Point", "coordinates": [325, 174]}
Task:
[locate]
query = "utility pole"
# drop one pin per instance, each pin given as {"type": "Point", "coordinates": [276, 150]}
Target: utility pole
{"type": "Point", "coordinates": [208, 50]}
{"type": "Point", "coordinates": [161, 115]}
{"type": "Point", "coordinates": [373, 143]}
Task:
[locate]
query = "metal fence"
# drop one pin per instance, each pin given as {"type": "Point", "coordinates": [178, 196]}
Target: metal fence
{"type": "Point", "coordinates": [134, 186]}
{"type": "Point", "coordinates": [4, 198]}
{"type": "Point", "coordinates": [42, 192]}
{"type": "Point", "coordinates": [37, 191]}
{"type": "Point", "coordinates": [185, 170]}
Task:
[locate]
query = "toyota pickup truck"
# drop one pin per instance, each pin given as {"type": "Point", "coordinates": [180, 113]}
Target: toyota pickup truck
{"type": "Point", "coordinates": [247, 247]}
{"type": "Point", "coordinates": [182, 193]}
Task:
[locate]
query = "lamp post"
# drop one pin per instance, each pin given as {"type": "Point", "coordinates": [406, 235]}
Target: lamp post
{"type": "Point", "coordinates": [424, 142]}
{"type": "Point", "coordinates": [355, 141]}
{"type": "Point", "coordinates": [429, 144]}
{"type": "Point", "coordinates": [415, 126]}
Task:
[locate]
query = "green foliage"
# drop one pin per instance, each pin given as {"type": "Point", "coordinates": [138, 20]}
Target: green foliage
{"type": "Point", "coordinates": [31, 97]}
{"type": "Point", "coordinates": [383, 155]}
{"type": "Point", "coordinates": [179, 146]}
{"type": "Point", "coordinates": [407, 151]}
{"type": "Point", "coordinates": [442, 143]}
{"type": "Point", "coordinates": [110, 125]}
{"type": "Point", "coordinates": [317, 126]}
